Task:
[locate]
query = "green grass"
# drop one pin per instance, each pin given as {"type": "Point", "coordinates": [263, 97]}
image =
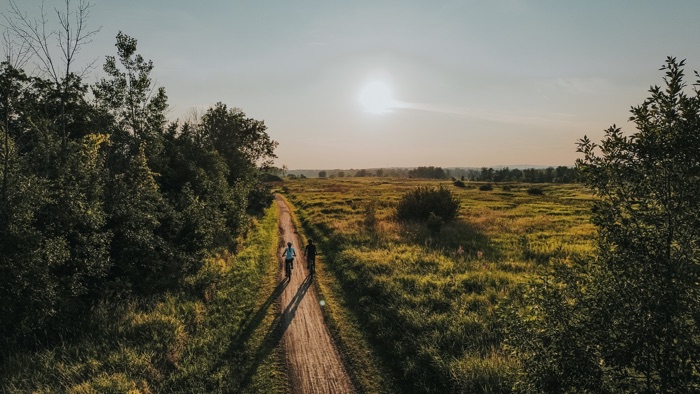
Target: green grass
{"type": "Point", "coordinates": [216, 335]}
{"type": "Point", "coordinates": [427, 304]}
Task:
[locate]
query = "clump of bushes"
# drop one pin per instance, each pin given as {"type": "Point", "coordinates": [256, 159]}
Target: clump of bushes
{"type": "Point", "coordinates": [420, 202]}
{"type": "Point", "coordinates": [486, 187]}
{"type": "Point", "coordinates": [459, 183]}
{"type": "Point", "coordinates": [434, 223]}
{"type": "Point", "coordinates": [535, 191]}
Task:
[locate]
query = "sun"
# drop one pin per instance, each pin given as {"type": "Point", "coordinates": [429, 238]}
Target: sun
{"type": "Point", "coordinates": [375, 97]}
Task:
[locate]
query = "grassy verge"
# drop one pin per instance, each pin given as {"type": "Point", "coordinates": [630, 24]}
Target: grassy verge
{"type": "Point", "coordinates": [215, 335]}
{"type": "Point", "coordinates": [363, 366]}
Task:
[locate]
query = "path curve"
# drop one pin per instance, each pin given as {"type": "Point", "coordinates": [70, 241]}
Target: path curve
{"type": "Point", "coordinates": [313, 362]}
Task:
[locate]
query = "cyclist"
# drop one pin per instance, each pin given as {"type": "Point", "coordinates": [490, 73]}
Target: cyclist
{"type": "Point", "coordinates": [310, 254]}
{"type": "Point", "coordinates": [289, 255]}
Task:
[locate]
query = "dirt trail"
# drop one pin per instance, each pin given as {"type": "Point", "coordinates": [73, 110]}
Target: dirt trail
{"type": "Point", "coordinates": [313, 361]}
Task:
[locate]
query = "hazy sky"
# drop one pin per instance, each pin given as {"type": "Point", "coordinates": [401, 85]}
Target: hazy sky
{"type": "Point", "coordinates": [359, 84]}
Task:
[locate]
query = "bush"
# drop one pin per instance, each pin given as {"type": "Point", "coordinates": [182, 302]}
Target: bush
{"type": "Point", "coordinates": [435, 223]}
{"type": "Point", "coordinates": [419, 203]}
{"type": "Point", "coordinates": [535, 191]}
{"type": "Point", "coordinates": [459, 183]}
{"type": "Point", "coordinates": [486, 188]}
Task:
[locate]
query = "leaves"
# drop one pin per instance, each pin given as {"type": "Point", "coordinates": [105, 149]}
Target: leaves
{"type": "Point", "coordinates": [634, 310]}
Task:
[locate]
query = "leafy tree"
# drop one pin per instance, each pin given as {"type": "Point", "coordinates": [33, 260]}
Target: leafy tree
{"type": "Point", "coordinates": [136, 211]}
{"type": "Point", "coordinates": [631, 317]}
{"type": "Point", "coordinates": [137, 109]}
{"type": "Point", "coordinates": [75, 215]}
{"type": "Point", "coordinates": [421, 202]}
{"type": "Point", "coordinates": [428, 172]}
{"type": "Point", "coordinates": [241, 141]}
{"type": "Point", "coordinates": [362, 173]}
{"type": "Point", "coordinates": [322, 174]}
{"type": "Point", "coordinates": [27, 290]}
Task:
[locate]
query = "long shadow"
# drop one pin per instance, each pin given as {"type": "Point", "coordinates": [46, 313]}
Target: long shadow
{"type": "Point", "coordinates": [291, 309]}
{"type": "Point", "coordinates": [277, 329]}
{"type": "Point", "coordinates": [246, 329]}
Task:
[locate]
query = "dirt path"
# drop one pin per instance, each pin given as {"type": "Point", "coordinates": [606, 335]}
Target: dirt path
{"type": "Point", "coordinates": [313, 361]}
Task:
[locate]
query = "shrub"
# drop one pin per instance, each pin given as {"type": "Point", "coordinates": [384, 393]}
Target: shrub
{"type": "Point", "coordinates": [506, 188]}
{"type": "Point", "coordinates": [459, 183]}
{"type": "Point", "coordinates": [486, 187]}
{"type": "Point", "coordinates": [535, 191]}
{"type": "Point", "coordinates": [435, 223]}
{"type": "Point", "coordinates": [418, 204]}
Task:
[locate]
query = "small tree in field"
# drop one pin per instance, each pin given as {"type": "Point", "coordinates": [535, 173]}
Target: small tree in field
{"type": "Point", "coordinates": [419, 203]}
{"type": "Point", "coordinates": [630, 320]}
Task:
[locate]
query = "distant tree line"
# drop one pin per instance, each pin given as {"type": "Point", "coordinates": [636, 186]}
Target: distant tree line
{"type": "Point", "coordinates": [560, 174]}
{"type": "Point", "coordinates": [101, 197]}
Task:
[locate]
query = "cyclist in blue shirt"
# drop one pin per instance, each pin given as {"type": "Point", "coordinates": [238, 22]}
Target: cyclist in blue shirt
{"type": "Point", "coordinates": [289, 254]}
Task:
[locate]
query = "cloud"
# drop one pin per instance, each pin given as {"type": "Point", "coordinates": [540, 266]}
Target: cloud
{"type": "Point", "coordinates": [522, 118]}
{"type": "Point", "coordinates": [592, 85]}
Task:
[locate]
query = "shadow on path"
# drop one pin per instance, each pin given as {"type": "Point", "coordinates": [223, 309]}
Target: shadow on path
{"type": "Point", "coordinates": [277, 328]}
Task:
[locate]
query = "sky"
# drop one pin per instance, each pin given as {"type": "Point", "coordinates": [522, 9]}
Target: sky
{"type": "Point", "coordinates": [367, 84]}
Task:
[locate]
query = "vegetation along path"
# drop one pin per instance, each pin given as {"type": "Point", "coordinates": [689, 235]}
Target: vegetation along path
{"type": "Point", "coordinates": [313, 362]}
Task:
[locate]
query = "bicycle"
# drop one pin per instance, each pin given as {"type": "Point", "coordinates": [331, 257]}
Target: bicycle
{"type": "Point", "coordinates": [311, 266]}
{"type": "Point", "coordinates": [288, 268]}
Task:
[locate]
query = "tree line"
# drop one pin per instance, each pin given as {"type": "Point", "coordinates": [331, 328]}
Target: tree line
{"type": "Point", "coordinates": [560, 174]}
{"type": "Point", "coordinates": [102, 198]}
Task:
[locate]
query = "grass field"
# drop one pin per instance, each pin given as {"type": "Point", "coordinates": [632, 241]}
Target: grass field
{"type": "Point", "coordinates": [428, 303]}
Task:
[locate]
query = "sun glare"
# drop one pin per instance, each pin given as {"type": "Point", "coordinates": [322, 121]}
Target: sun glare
{"type": "Point", "coordinates": [376, 98]}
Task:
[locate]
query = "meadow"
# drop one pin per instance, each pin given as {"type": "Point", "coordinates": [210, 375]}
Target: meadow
{"type": "Point", "coordinates": [428, 302]}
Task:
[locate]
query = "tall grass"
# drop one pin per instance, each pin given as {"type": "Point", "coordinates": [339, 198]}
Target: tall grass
{"type": "Point", "coordinates": [427, 301]}
{"type": "Point", "coordinates": [212, 336]}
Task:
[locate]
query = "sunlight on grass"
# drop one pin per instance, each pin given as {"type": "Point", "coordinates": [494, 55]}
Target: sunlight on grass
{"type": "Point", "coordinates": [427, 302]}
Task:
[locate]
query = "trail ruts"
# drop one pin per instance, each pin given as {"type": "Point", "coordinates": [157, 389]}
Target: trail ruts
{"type": "Point", "coordinates": [313, 362]}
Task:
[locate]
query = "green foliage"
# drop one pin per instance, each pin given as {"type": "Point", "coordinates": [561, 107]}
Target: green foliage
{"type": "Point", "coordinates": [133, 210]}
{"type": "Point", "coordinates": [428, 173]}
{"type": "Point", "coordinates": [459, 183]}
{"type": "Point", "coordinates": [629, 317]}
{"type": "Point", "coordinates": [419, 203]}
{"type": "Point", "coordinates": [241, 141]}
{"type": "Point", "coordinates": [434, 223]}
{"type": "Point", "coordinates": [487, 187]}
{"type": "Point", "coordinates": [210, 335]}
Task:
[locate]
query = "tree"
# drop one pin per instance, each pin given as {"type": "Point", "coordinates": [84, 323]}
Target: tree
{"type": "Point", "coordinates": [423, 201]}
{"type": "Point", "coordinates": [136, 107]}
{"type": "Point", "coordinates": [136, 211]}
{"type": "Point", "coordinates": [428, 172]}
{"type": "Point", "coordinates": [42, 42]}
{"type": "Point", "coordinates": [242, 141]}
{"type": "Point", "coordinates": [633, 313]}
{"type": "Point", "coordinates": [322, 174]}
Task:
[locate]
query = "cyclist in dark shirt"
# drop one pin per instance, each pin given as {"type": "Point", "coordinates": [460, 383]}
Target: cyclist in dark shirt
{"type": "Point", "coordinates": [310, 254]}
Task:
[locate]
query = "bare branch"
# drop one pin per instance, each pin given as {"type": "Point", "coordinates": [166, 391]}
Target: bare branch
{"type": "Point", "coordinates": [16, 54]}
{"type": "Point", "coordinates": [70, 36]}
